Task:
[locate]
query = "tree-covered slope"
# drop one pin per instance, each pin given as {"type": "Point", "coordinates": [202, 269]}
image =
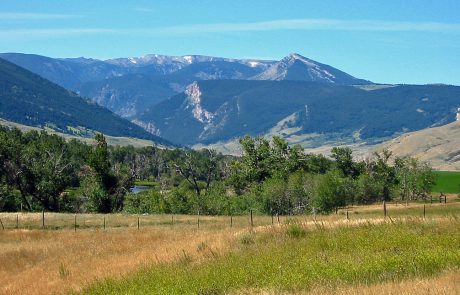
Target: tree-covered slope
{"type": "Point", "coordinates": [28, 99]}
{"type": "Point", "coordinates": [211, 111]}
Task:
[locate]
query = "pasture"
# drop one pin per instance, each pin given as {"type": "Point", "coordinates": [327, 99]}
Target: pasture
{"type": "Point", "coordinates": [447, 182]}
{"type": "Point", "coordinates": [173, 255]}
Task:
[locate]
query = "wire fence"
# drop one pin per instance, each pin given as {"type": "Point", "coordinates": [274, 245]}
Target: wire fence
{"type": "Point", "coordinates": [58, 221]}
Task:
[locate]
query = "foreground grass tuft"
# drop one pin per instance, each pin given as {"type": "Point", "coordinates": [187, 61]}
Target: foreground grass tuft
{"type": "Point", "coordinates": [296, 231]}
{"type": "Point", "coordinates": [296, 259]}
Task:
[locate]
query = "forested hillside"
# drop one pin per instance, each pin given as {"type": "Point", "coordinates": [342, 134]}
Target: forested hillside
{"type": "Point", "coordinates": [211, 111]}
{"type": "Point", "coordinates": [28, 99]}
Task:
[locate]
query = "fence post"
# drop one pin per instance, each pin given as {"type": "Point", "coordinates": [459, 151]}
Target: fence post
{"type": "Point", "coordinates": [138, 222]}
{"type": "Point", "coordinates": [347, 215]}
{"type": "Point", "coordinates": [252, 223]}
{"type": "Point", "coordinates": [2, 223]}
{"type": "Point", "coordinates": [384, 208]}
{"type": "Point", "coordinates": [17, 220]}
{"type": "Point", "coordinates": [278, 217]}
{"type": "Point", "coordinates": [43, 218]}
{"type": "Point", "coordinates": [172, 219]}
{"type": "Point", "coordinates": [198, 219]}
{"type": "Point", "coordinates": [424, 211]}
{"type": "Point", "coordinates": [75, 223]}
{"type": "Point", "coordinates": [231, 220]}
{"type": "Point", "coordinates": [272, 218]}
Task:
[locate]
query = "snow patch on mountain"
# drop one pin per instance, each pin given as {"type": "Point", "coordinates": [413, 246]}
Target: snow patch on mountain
{"type": "Point", "coordinates": [297, 67]}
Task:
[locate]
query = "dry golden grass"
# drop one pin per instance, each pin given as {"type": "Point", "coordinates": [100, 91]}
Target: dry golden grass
{"type": "Point", "coordinates": [438, 146]}
{"type": "Point", "coordinates": [44, 262]}
{"type": "Point", "coordinates": [447, 283]}
{"type": "Point", "coordinates": [36, 261]}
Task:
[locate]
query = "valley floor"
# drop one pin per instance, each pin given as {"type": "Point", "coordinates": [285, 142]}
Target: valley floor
{"type": "Point", "coordinates": [365, 254]}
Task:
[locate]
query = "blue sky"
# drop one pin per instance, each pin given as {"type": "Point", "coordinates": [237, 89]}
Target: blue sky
{"type": "Point", "coordinates": [390, 41]}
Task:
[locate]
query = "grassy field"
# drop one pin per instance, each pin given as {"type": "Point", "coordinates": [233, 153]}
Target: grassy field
{"type": "Point", "coordinates": [447, 182]}
{"type": "Point", "coordinates": [171, 255]}
{"type": "Point", "coordinates": [64, 221]}
{"type": "Point", "coordinates": [111, 140]}
{"type": "Point", "coordinates": [298, 258]}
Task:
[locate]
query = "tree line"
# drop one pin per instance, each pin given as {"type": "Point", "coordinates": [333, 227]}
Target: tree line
{"type": "Point", "coordinates": [41, 171]}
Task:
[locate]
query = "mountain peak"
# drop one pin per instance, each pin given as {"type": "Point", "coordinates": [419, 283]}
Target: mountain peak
{"type": "Point", "coordinates": [297, 67]}
{"type": "Point", "coordinates": [293, 57]}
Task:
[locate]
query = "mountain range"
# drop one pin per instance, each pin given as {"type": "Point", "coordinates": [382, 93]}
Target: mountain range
{"type": "Point", "coordinates": [29, 99]}
{"type": "Point", "coordinates": [202, 100]}
{"type": "Point", "coordinates": [127, 86]}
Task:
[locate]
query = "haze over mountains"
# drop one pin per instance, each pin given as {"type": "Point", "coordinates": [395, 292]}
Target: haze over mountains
{"type": "Point", "coordinates": [205, 100]}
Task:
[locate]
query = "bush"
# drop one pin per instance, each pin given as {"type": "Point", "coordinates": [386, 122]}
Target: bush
{"type": "Point", "coordinates": [295, 231]}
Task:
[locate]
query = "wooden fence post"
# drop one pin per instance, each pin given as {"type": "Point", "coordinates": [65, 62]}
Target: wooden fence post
{"type": "Point", "coordinates": [1, 222]}
{"type": "Point", "coordinates": [347, 215]}
{"type": "Point", "coordinates": [198, 219]}
{"type": "Point", "coordinates": [424, 211]}
{"type": "Point", "coordinates": [172, 219]}
{"type": "Point", "coordinates": [104, 222]}
{"type": "Point", "coordinates": [231, 220]}
{"type": "Point", "coordinates": [43, 218]}
{"type": "Point", "coordinates": [252, 223]}
{"type": "Point", "coordinates": [138, 222]}
{"type": "Point", "coordinates": [278, 217]}
{"type": "Point", "coordinates": [75, 223]}
{"type": "Point", "coordinates": [17, 220]}
{"type": "Point", "coordinates": [384, 208]}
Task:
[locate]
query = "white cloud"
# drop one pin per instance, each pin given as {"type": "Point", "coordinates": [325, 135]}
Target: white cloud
{"type": "Point", "coordinates": [313, 24]}
{"type": "Point", "coordinates": [274, 25]}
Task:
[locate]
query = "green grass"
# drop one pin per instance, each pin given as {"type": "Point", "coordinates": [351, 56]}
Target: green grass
{"type": "Point", "coordinates": [447, 182]}
{"type": "Point", "coordinates": [284, 260]}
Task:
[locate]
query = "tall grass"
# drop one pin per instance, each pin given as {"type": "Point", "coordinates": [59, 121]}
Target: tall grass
{"type": "Point", "coordinates": [292, 259]}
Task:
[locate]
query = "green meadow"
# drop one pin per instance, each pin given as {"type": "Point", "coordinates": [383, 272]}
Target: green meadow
{"type": "Point", "coordinates": [296, 258]}
{"type": "Point", "coordinates": [447, 182]}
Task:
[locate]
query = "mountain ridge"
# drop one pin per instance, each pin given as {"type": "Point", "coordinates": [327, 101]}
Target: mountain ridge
{"type": "Point", "coordinates": [29, 99]}
{"type": "Point", "coordinates": [110, 82]}
{"type": "Point", "coordinates": [219, 110]}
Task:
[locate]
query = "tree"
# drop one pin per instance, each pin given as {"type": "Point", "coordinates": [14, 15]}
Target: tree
{"type": "Point", "coordinates": [46, 169]}
{"type": "Point", "coordinates": [384, 172]}
{"type": "Point", "coordinates": [333, 191]}
{"type": "Point", "coordinates": [196, 167]}
{"type": "Point", "coordinates": [415, 178]}
{"type": "Point", "coordinates": [344, 161]}
{"type": "Point", "coordinates": [112, 182]}
{"type": "Point", "coordinates": [300, 189]}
